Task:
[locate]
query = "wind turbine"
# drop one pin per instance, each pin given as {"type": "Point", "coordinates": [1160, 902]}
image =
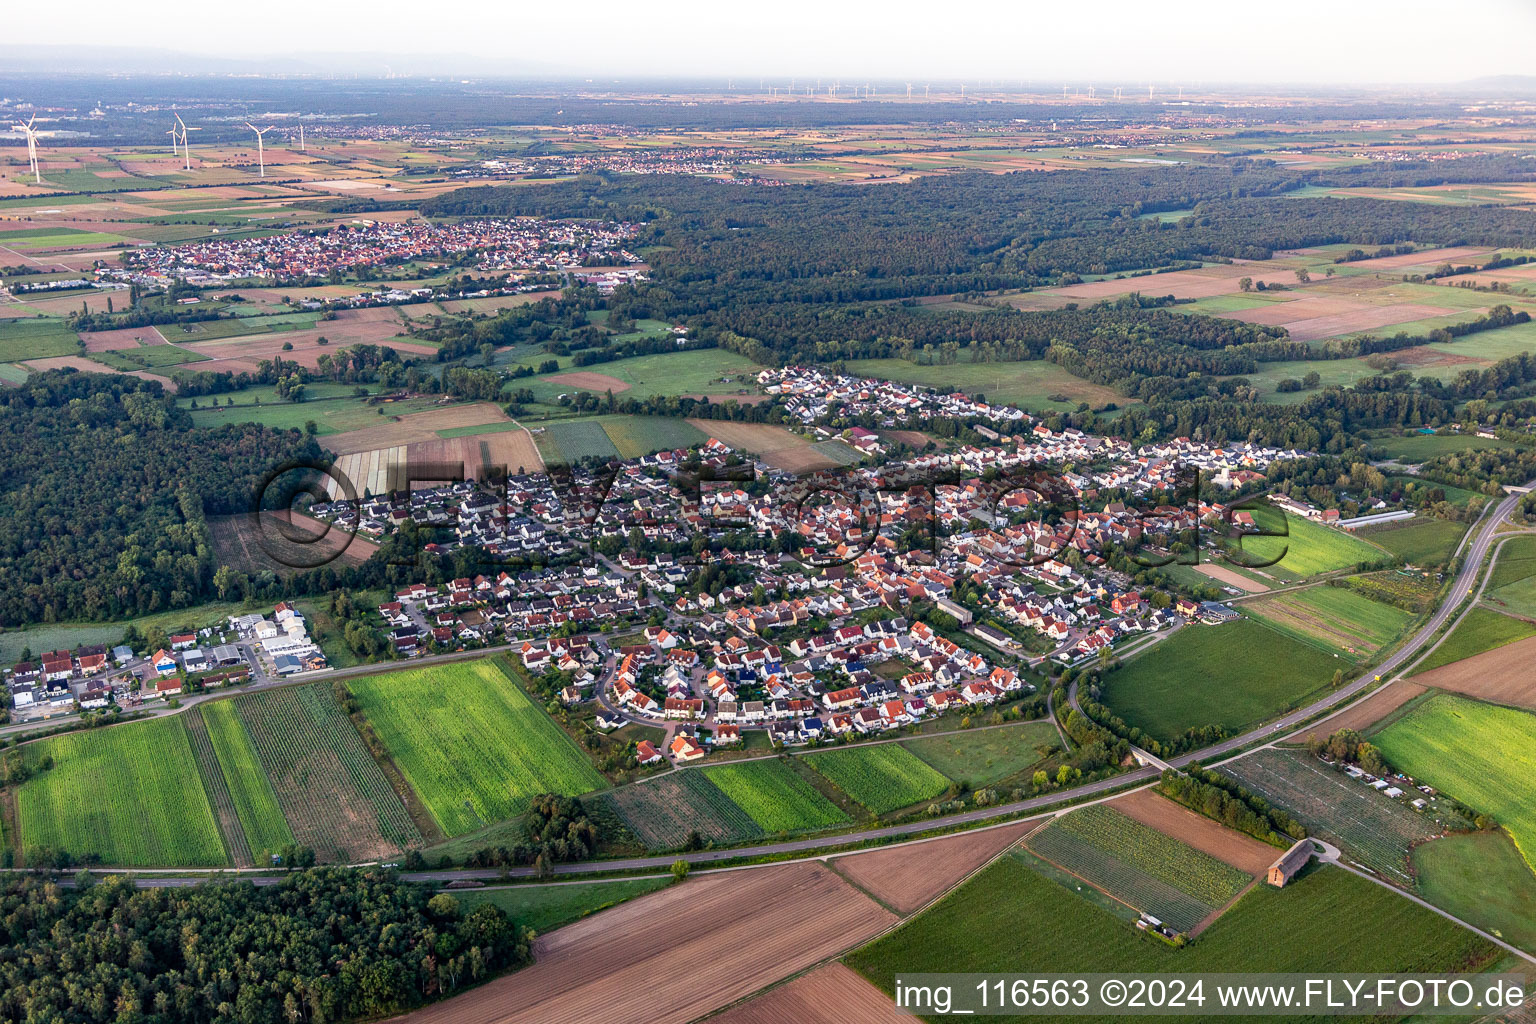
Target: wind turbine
{"type": "Point", "coordinates": [301, 138]}
{"type": "Point", "coordinates": [31, 134]}
{"type": "Point", "coordinates": [186, 146]}
{"type": "Point", "coordinates": [261, 157]}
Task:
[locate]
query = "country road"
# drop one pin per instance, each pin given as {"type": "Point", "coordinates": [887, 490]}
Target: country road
{"type": "Point", "coordinates": [1475, 546]}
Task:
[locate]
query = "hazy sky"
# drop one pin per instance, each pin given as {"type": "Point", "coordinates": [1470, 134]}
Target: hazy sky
{"type": "Point", "coordinates": [1112, 41]}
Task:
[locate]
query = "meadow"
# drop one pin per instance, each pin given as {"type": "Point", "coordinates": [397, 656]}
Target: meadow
{"type": "Point", "coordinates": [1308, 549]}
{"type": "Point", "coordinates": [1416, 448]}
{"type": "Point", "coordinates": [1482, 879]}
{"type": "Point", "coordinates": [36, 339]}
{"type": "Point", "coordinates": [882, 778]}
{"type": "Point", "coordinates": [1373, 829]}
{"type": "Point", "coordinates": [470, 742]}
{"type": "Point", "coordinates": [1196, 678]}
{"type": "Point", "coordinates": [1421, 541]}
{"type": "Point", "coordinates": [775, 796]}
{"type": "Point", "coordinates": [330, 415]}
{"type": "Point", "coordinates": [334, 796]}
{"type": "Point", "coordinates": [130, 795]}
{"type": "Point", "coordinates": [1339, 618]}
{"type": "Point", "coordinates": [1010, 915]}
{"type": "Point", "coordinates": [1512, 583]}
{"type": "Point", "coordinates": [1138, 865]}
{"type": "Point", "coordinates": [265, 829]}
{"type": "Point", "coordinates": [981, 757]}
{"type": "Point", "coordinates": [546, 907]}
{"type": "Point", "coordinates": [1482, 629]}
{"type": "Point", "coordinates": [1481, 754]}
{"type": "Point", "coordinates": [1035, 385]}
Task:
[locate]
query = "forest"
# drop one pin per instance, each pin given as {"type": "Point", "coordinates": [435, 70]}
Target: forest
{"type": "Point", "coordinates": [107, 486]}
{"type": "Point", "coordinates": [323, 945]}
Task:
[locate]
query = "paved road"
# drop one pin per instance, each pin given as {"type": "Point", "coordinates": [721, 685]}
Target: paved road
{"type": "Point", "coordinates": [1474, 547]}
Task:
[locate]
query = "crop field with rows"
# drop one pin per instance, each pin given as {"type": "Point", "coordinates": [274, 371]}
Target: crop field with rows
{"type": "Point", "coordinates": [261, 819]}
{"type": "Point", "coordinates": [774, 796]}
{"type": "Point", "coordinates": [471, 743]}
{"type": "Point", "coordinates": [883, 778]}
{"type": "Point", "coordinates": [333, 794]}
{"type": "Point", "coordinates": [1139, 865]}
{"type": "Point", "coordinates": [130, 795]}
{"type": "Point", "coordinates": [1373, 829]}
{"type": "Point", "coordinates": [663, 811]}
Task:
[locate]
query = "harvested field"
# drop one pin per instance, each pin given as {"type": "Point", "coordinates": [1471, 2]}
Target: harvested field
{"type": "Point", "coordinates": [1183, 284]}
{"type": "Point", "coordinates": [282, 541]}
{"type": "Point", "coordinates": [834, 994]}
{"type": "Point", "coordinates": [1502, 675]}
{"type": "Point", "coordinates": [800, 460]}
{"type": "Point", "coordinates": [585, 380]}
{"type": "Point", "coordinates": [512, 450]}
{"type": "Point", "coordinates": [1242, 852]}
{"type": "Point", "coordinates": [85, 365]}
{"type": "Point", "coordinates": [491, 303]}
{"type": "Point", "coordinates": [756, 438]}
{"type": "Point", "coordinates": [1291, 310]}
{"type": "Point", "coordinates": [721, 956]}
{"type": "Point", "coordinates": [906, 878]}
{"type": "Point", "coordinates": [1368, 712]}
{"type": "Point", "coordinates": [1361, 318]}
{"type": "Point", "coordinates": [253, 348]}
{"type": "Point", "coordinates": [415, 427]}
{"type": "Point", "coordinates": [1221, 574]}
{"type": "Point", "coordinates": [126, 337]}
{"type": "Point", "coordinates": [1413, 259]}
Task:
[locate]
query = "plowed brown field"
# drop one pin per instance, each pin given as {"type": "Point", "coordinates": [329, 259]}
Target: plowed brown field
{"type": "Point", "coordinates": [910, 876]}
{"type": "Point", "coordinates": [677, 954]}
{"type": "Point", "coordinates": [1374, 708]}
{"type": "Point", "coordinates": [834, 994]}
{"type": "Point", "coordinates": [1242, 852]}
{"type": "Point", "coordinates": [1502, 675]}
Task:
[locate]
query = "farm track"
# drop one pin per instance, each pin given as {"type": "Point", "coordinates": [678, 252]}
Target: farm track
{"type": "Point", "coordinates": [218, 792]}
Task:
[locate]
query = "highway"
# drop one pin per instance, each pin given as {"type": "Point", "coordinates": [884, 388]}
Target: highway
{"type": "Point", "coordinates": [1474, 547]}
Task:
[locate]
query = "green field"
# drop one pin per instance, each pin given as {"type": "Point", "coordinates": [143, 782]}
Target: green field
{"type": "Point", "coordinates": [1415, 448]}
{"type": "Point", "coordinates": [472, 745]}
{"type": "Point", "coordinates": [883, 778]}
{"type": "Point", "coordinates": [664, 810]}
{"type": "Point", "coordinates": [1423, 542]}
{"type": "Point", "coordinates": [695, 372]}
{"type": "Point", "coordinates": [546, 907]}
{"type": "Point", "coordinates": [566, 441]}
{"type": "Point", "coordinates": [1373, 829]}
{"type": "Point", "coordinates": [1138, 865]}
{"type": "Point", "coordinates": [775, 796]}
{"type": "Point", "coordinates": [1482, 879]}
{"type": "Point", "coordinates": [330, 415]}
{"type": "Point", "coordinates": [634, 436]}
{"type": "Point", "coordinates": [130, 795]}
{"type": "Point", "coordinates": [981, 757]}
{"type": "Point", "coordinates": [36, 339]}
{"type": "Point", "coordinates": [1194, 678]}
{"type": "Point", "coordinates": [261, 819]}
{"type": "Point", "coordinates": [147, 357]}
{"type": "Point", "coordinates": [1307, 550]}
{"type": "Point", "coordinates": [333, 794]}
{"type": "Point", "coordinates": [1010, 915]}
{"type": "Point", "coordinates": [1029, 385]}
{"type": "Point", "coordinates": [1481, 754]}
{"type": "Point", "coordinates": [1512, 584]}
{"type": "Point", "coordinates": [1334, 616]}
{"type": "Point", "coordinates": [1481, 630]}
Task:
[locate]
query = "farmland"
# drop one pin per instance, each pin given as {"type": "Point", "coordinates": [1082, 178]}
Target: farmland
{"type": "Point", "coordinates": [1372, 829]}
{"type": "Point", "coordinates": [1481, 754]}
{"type": "Point", "coordinates": [1482, 629]}
{"type": "Point", "coordinates": [982, 757]}
{"type": "Point", "coordinates": [664, 810]}
{"type": "Point", "coordinates": [1422, 541]}
{"type": "Point", "coordinates": [1481, 878]}
{"type": "Point", "coordinates": [261, 819]}
{"type": "Point", "coordinates": [1501, 675]}
{"type": "Point", "coordinates": [471, 744]}
{"type": "Point", "coordinates": [333, 794]}
{"type": "Point", "coordinates": [1306, 550]}
{"type": "Point", "coordinates": [775, 796]}
{"type": "Point", "coordinates": [1010, 915]}
{"type": "Point", "coordinates": [1191, 679]}
{"type": "Point", "coordinates": [1512, 584]}
{"type": "Point", "coordinates": [1037, 385]}
{"type": "Point", "coordinates": [36, 339]}
{"type": "Point", "coordinates": [882, 778]}
{"type": "Point", "coordinates": [1339, 618]}
{"type": "Point", "coordinates": [131, 796]}
{"type": "Point", "coordinates": [1138, 865]}
{"type": "Point", "coordinates": [546, 907]}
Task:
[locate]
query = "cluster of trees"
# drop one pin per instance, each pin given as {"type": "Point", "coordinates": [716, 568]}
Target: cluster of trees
{"type": "Point", "coordinates": [324, 945]}
{"type": "Point", "coordinates": [107, 486]}
{"type": "Point", "coordinates": [1218, 797]}
{"type": "Point", "coordinates": [1346, 746]}
{"type": "Point", "coordinates": [558, 830]}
